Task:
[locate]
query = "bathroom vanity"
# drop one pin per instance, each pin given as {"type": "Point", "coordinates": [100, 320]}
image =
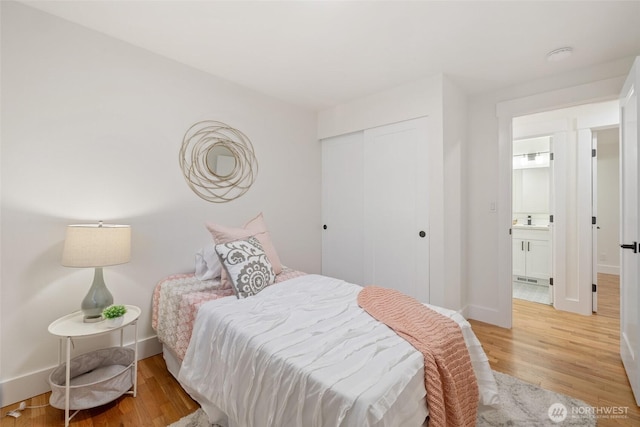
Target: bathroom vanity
{"type": "Point", "coordinates": [531, 254]}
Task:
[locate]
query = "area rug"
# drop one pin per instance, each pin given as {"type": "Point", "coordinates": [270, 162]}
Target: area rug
{"type": "Point", "coordinates": [522, 404]}
{"type": "Point", "coordinates": [525, 404]}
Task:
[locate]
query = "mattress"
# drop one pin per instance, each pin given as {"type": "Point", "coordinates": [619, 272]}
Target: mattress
{"type": "Point", "coordinates": [303, 353]}
{"type": "Point", "coordinates": [176, 300]}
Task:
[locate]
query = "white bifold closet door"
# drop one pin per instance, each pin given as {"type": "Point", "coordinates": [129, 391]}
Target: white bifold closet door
{"type": "Point", "coordinates": [375, 207]}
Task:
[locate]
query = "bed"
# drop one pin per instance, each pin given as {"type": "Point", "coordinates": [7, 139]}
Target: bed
{"type": "Point", "coordinates": [388, 373]}
{"type": "Point", "coordinates": [300, 352]}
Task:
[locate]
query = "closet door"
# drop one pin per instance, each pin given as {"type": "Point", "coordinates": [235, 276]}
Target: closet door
{"type": "Point", "coordinates": [396, 233]}
{"type": "Point", "coordinates": [342, 207]}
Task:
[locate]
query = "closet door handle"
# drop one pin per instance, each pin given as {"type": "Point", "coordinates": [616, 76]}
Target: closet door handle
{"type": "Point", "coordinates": [522, 245]}
{"type": "Point", "coordinates": [324, 227]}
{"type": "Point", "coordinates": [422, 234]}
{"type": "Point", "coordinates": [634, 247]}
{"type": "Point", "coordinates": [528, 246]}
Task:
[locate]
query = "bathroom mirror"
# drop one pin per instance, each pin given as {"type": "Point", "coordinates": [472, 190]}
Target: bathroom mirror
{"type": "Point", "coordinates": [217, 161]}
{"type": "Point", "coordinates": [531, 175]}
{"type": "Point", "coordinates": [221, 161]}
{"type": "Point", "coordinates": [531, 190]}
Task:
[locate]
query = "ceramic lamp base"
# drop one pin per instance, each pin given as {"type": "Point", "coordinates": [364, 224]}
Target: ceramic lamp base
{"type": "Point", "coordinates": [97, 299]}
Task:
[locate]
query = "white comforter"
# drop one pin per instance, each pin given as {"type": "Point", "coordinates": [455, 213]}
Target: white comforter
{"type": "Point", "coordinates": [302, 353]}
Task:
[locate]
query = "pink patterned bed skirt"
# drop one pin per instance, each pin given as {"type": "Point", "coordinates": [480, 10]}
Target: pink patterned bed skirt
{"type": "Point", "coordinates": [176, 301]}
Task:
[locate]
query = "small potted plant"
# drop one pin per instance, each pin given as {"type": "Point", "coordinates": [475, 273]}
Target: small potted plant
{"type": "Point", "coordinates": [114, 315]}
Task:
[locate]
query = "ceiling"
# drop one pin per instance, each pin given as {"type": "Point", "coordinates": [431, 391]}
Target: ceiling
{"type": "Point", "coordinates": [318, 54]}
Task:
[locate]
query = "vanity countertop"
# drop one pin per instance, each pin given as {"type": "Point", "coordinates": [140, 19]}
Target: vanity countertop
{"type": "Point", "coordinates": [531, 227]}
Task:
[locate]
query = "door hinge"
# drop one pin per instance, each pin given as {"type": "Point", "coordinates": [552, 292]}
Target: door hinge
{"type": "Point", "coordinates": [550, 218]}
{"type": "Point", "coordinates": [550, 281]}
{"type": "Point", "coordinates": [594, 288]}
{"type": "Point", "coordinates": [550, 156]}
{"type": "Point", "coordinates": [593, 152]}
{"type": "Point", "coordinates": [593, 220]}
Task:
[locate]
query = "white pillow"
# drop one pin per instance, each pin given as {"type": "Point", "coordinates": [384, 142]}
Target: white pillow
{"type": "Point", "coordinates": [208, 264]}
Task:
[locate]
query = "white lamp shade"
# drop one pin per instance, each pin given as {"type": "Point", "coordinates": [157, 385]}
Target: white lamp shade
{"type": "Point", "coordinates": [96, 245]}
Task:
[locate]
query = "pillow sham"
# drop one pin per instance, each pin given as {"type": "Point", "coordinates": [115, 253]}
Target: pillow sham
{"type": "Point", "coordinates": [259, 229]}
{"type": "Point", "coordinates": [208, 265]}
{"type": "Point", "coordinates": [248, 267]}
{"type": "Point", "coordinates": [255, 227]}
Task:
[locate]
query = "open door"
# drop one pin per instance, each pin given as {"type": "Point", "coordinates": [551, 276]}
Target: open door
{"type": "Point", "coordinates": [552, 210]}
{"type": "Point", "coordinates": [572, 263]}
{"type": "Point", "coordinates": [629, 227]}
{"type": "Point", "coordinates": [587, 227]}
{"type": "Point", "coordinates": [594, 222]}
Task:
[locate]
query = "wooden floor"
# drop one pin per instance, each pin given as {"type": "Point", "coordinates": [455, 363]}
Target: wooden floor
{"type": "Point", "coordinates": [567, 353]}
{"type": "Point", "coordinates": [160, 401]}
{"type": "Point", "coordinates": [570, 354]}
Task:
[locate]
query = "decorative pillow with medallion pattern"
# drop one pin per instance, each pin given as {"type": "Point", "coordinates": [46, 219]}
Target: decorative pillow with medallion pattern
{"type": "Point", "coordinates": [247, 266]}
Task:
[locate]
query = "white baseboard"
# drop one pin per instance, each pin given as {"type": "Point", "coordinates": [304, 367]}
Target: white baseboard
{"type": "Point", "coordinates": [30, 385]}
{"type": "Point", "coordinates": [485, 314]}
{"type": "Point", "coordinates": [609, 269]}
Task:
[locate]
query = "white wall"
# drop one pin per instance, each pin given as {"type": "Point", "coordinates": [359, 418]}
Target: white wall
{"type": "Point", "coordinates": [91, 129]}
{"type": "Point", "coordinates": [432, 97]}
{"type": "Point", "coordinates": [488, 167]}
{"type": "Point", "coordinates": [609, 201]}
{"type": "Point", "coordinates": [415, 99]}
{"type": "Point", "coordinates": [455, 143]}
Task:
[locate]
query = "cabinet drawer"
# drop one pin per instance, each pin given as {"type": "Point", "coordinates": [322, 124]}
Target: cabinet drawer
{"type": "Point", "coordinates": [518, 233]}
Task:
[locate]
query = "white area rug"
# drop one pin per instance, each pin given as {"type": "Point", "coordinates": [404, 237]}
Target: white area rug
{"type": "Point", "coordinates": [197, 419]}
{"type": "Point", "coordinates": [522, 404]}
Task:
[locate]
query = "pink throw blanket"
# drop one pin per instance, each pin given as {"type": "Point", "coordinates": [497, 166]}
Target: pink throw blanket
{"type": "Point", "coordinates": [452, 390]}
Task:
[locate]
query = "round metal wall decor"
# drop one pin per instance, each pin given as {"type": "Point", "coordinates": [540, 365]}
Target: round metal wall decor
{"type": "Point", "coordinates": [217, 161]}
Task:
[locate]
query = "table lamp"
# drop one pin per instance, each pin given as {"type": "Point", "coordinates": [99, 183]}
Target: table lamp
{"type": "Point", "coordinates": [96, 245]}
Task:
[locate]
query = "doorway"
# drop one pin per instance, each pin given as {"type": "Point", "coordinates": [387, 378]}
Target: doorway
{"type": "Point", "coordinates": [555, 225]}
{"type": "Point", "coordinates": [506, 111]}
{"type": "Point", "coordinates": [608, 255]}
{"type": "Point", "coordinates": [530, 205]}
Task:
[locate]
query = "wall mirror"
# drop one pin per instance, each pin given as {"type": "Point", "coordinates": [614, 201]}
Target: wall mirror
{"type": "Point", "coordinates": [221, 161]}
{"type": "Point", "coordinates": [531, 175]}
{"type": "Point", "coordinates": [217, 161]}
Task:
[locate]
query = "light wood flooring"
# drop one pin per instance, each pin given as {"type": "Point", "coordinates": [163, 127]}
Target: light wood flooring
{"type": "Point", "coordinates": [565, 352]}
{"type": "Point", "coordinates": [160, 401]}
{"type": "Point", "coordinates": [570, 354]}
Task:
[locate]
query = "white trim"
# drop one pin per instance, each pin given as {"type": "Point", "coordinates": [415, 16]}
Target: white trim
{"type": "Point", "coordinates": [597, 91]}
{"type": "Point", "coordinates": [602, 90]}
{"type": "Point", "coordinates": [29, 385]}
{"type": "Point", "coordinates": [484, 314]}
{"type": "Point", "coordinates": [503, 315]}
